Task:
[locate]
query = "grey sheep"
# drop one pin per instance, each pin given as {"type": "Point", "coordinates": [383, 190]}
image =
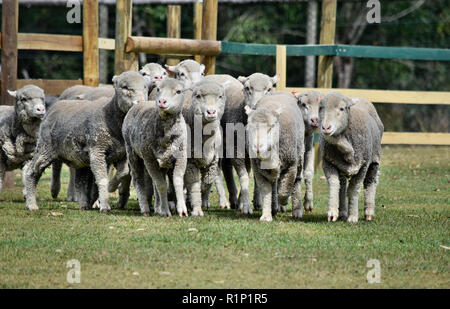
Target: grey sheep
{"type": "Point", "coordinates": [276, 147]}
{"type": "Point", "coordinates": [256, 86]}
{"type": "Point", "coordinates": [19, 125]}
{"type": "Point", "coordinates": [350, 142]}
{"type": "Point", "coordinates": [308, 102]}
{"type": "Point", "coordinates": [84, 135]}
{"type": "Point", "coordinates": [156, 144]}
{"type": "Point", "coordinates": [155, 74]}
{"type": "Point", "coordinates": [203, 117]}
{"type": "Point", "coordinates": [235, 156]}
{"type": "Point", "coordinates": [188, 72]}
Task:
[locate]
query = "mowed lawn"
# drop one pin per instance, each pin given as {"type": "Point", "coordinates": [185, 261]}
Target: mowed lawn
{"type": "Point", "coordinates": [410, 237]}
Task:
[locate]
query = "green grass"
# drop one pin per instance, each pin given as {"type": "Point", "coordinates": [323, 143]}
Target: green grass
{"type": "Point", "coordinates": [225, 250]}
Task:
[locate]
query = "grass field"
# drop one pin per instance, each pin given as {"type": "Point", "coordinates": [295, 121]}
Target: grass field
{"type": "Point", "coordinates": [409, 237]}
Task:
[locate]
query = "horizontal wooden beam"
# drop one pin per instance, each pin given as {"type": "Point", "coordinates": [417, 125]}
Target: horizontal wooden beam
{"type": "Point", "coordinates": [50, 86]}
{"type": "Point", "coordinates": [57, 42]}
{"type": "Point", "coordinates": [164, 46]}
{"type": "Point", "coordinates": [109, 44]}
{"type": "Point", "coordinates": [409, 138]}
{"type": "Point", "coordinates": [389, 96]}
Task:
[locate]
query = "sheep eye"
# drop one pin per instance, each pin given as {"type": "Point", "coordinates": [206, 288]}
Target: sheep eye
{"type": "Point", "coordinates": [304, 105]}
{"type": "Point", "coordinates": [157, 89]}
{"type": "Point", "coordinates": [198, 96]}
{"type": "Point", "coordinates": [181, 74]}
{"type": "Point", "coordinates": [220, 97]}
{"type": "Point", "coordinates": [178, 92]}
{"type": "Point", "coordinates": [341, 109]}
{"type": "Point", "coordinates": [247, 89]}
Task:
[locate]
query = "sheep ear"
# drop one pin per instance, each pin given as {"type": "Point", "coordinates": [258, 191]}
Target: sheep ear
{"type": "Point", "coordinates": [296, 94]}
{"type": "Point", "coordinates": [242, 79]}
{"type": "Point", "coordinates": [170, 68]}
{"type": "Point", "coordinates": [202, 68]}
{"type": "Point", "coordinates": [248, 110]}
{"type": "Point", "coordinates": [275, 79]}
{"type": "Point", "coordinates": [12, 93]}
{"type": "Point", "coordinates": [114, 79]}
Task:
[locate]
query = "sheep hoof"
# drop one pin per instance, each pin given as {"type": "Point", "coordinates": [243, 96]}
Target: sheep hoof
{"type": "Point", "coordinates": [225, 206]}
{"type": "Point", "coordinates": [182, 210]}
{"type": "Point", "coordinates": [32, 207]}
{"type": "Point", "coordinates": [369, 218]}
{"type": "Point", "coordinates": [146, 214]}
{"type": "Point", "coordinates": [266, 218]}
{"type": "Point", "coordinates": [297, 213]}
{"type": "Point", "coordinates": [95, 205]}
{"type": "Point", "coordinates": [308, 206]}
{"type": "Point", "coordinates": [197, 212]}
{"type": "Point", "coordinates": [247, 210]}
{"type": "Point", "coordinates": [352, 219]}
{"type": "Point", "coordinates": [165, 213]}
{"type": "Point", "coordinates": [332, 218]}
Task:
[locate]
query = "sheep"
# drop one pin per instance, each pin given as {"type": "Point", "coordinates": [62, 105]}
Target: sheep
{"type": "Point", "coordinates": [75, 92]}
{"type": "Point", "coordinates": [235, 156]}
{"type": "Point", "coordinates": [256, 86]}
{"type": "Point", "coordinates": [86, 134]}
{"type": "Point", "coordinates": [308, 102]}
{"type": "Point", "coordinates": [154, 73]}
{"type": "Point", "coordinates": [276, 148]}
{"type": "Point", "coordinates": [156, 142]}
{"type": "Point", "coordinates": [191, 72]}
{"type": "Point", "coordinates": [204, 112]}
{"type": "Point", "coordinates": [19, 125]}
{"type": "Point", "coordinates": [187, 71]}
{"type": "Point", "coordinates": [350, 142]}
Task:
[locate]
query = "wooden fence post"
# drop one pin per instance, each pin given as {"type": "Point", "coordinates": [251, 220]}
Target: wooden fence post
{"type": "Point", "coordinates": [325, 65]}
{"type": "Point", "coordinates": [198, 12]}
{"type": "Point", "coordinates": [124, 61]}
{"type": "Point", "coordinates": [90, 43]}
{"type": "Point", "coordinates": [173, 27]}
{"type": "Point", "coordinates": [209, 31]}
{"type": "Point", "coordinates": [281, 66]}
{"type": "Point", "coordinates": [10, 28]}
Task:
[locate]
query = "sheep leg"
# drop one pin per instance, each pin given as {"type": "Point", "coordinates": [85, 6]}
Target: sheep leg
{"type": "Point", "coordinates": [148, 187]}
{"type": "Point", "coordinates": [256, 195]}
{"type": "Point", "coordinates": [353, 189]}
{"type": "Point", "coordinates": [25, 167]}
{"type": "Point", "coordinates": [205, 190]}
{"type": "Point", "coordinates": [227, 169]}
{"type": "Point", "coordinates": [100, 170]}
{"type": "Point", "coordinates": [308, 173]}
{"type": "Point", "coordinates": [266, 193]}
{"type": "Point", "coordinates": [178, 184]}
{"type": "Point", "coordinates": [122, 170]}
{"type": "Point", "coordinates": [209, 177]}
{"type": "Point", "coordinates": [124, 191]}
{"type": "Point", "coordinates": [332, 175]}
{"type": "Point", "coordinates": [55, 184]}
{"type": "Point", "coordinates": [171, 196]}
{"type": "Point", "coordinates": [82, 187]}
{"type": "Point", "coordinates": [275, 205]}
{"type": "Point", "coordinates": [286, 184]}
{"type": "Point", "coordinates": [41, 160]}
{"type": "Point", "coordinates": [343, 206]}
{"type": "Point", "coordinates": [195, 196]}
{"type": "Point", "coordinates": [159, 179]}
{"type": "Point", "coordinates": [157, 207]}
{"type": "Point", "coordinates": [223, 201]}
{"type": "Point", "coordinates": [138, 172]}
{"type": "Point", "coordinates": [92, 190]}
{"type": "Point", "coordinates": [244, 198]}
{"type": "Point", "coordinates": [71, 192]}
{"type": "Point", "coordinates": [370, 187]}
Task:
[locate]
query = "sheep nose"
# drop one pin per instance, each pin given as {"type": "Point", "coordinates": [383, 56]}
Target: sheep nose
{"type": "Point", "coordinates": [158, 77]}
{"type": "Point", "coordinates": [326, 128]}
{"type": "Point", "coordinates": [211, 112]}
{"type": "Point", "coordinates": [162, 102]}
{"type": "Point", "coordinates": [40, 110]}
{"type": "Point", "coordinates": [314, 122]}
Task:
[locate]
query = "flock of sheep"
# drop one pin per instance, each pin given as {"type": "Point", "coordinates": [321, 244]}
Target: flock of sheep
{"type": "Point", "coordinates": [147, 127]}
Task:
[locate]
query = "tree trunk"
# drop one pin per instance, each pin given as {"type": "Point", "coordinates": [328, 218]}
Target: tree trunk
{"type": "Point", "coordinates": [311, 38]}
{"type": "Point", "coordinates": [103, 33]}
